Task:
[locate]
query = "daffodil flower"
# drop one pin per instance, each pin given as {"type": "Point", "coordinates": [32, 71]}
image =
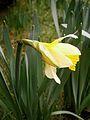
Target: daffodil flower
{"type": "Point", "coordinates": [56, 55]}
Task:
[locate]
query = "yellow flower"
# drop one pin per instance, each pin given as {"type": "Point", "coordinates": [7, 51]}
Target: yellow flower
{"type": "Point", "coordinates": [56, 55]}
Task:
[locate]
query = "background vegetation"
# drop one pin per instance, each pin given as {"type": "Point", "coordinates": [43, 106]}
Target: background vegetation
{"type": "Point", "coordinates": [25, 93]}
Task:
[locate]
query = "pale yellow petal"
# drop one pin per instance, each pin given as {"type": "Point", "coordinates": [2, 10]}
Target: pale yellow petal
{"type": "Point", "coordinates": [62, 60]}
{"type": "Point", "coordinates": [46, 55]}
{"type": "Point", "coordinates": [54, 56]}
{"type": "Point", "coordinates": [72, 36]}
{"type": "Point", "coordinates": [67, 49]}
{"type": "Point", "coordinates": [50, 72]}
{"type": "Point", "coordinates": [61, 38]}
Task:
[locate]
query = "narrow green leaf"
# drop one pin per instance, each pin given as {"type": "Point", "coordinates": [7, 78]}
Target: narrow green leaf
{"type": "Point", "coordinates": [4, 68]}
{"type": "Point", "coordinates": [75, 81]}
{"type": "Point", "coordinates": [85, 103]}
{"type": "Point", "coordinates": [32, 85]}
{"type": "Point", "coordinates": [36, 27]}
{"type": "Point", "coordinates": [6, 99]}
{"type": "Point", "coordinates": [55, 16]}
{"type": "Point", "coordinates": [66, 112]}
{"type": "Point", "coordinates": [86, 34]}
{"type": "Point", "coordinates": [44, 84]}
{"type": "Point", "coordinates": [86, 12]}
{"type": "Point", "coordinates": [1, 51]}
{"type": "Point", "coordinates": [7, 40]}
{"type": "Point", "coordinates": [17, 67]}
{"type": "Point", "coordinates": [84, 65]}
{"type": "Point", "coordinates": [55, 91]}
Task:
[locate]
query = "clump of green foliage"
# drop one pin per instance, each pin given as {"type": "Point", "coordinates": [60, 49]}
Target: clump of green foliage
{"type": "Point", "coordinates": [25, 93]}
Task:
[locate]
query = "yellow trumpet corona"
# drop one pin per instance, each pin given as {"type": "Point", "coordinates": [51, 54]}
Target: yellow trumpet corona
{"type": "Point", "coordinates": [56, 55]}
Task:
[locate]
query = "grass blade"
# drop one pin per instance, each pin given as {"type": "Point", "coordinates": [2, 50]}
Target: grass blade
{"type": "Point", "coordinates": [66, 112]}
{"type": "Point", "coordinates": [6, 99]}
{"type": "Point", "coordinates": [7, 40]}
{"type": "Point", "coordinates": [55, 16]}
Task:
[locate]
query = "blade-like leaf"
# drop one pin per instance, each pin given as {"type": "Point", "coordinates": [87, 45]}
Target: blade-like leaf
{"type": "Point", "coordinates": [67, 112]}
{"type": "Point", "coordinates": [7, 40]}
{"type": "Point", "coordinates": [55, 16]}
{"type": "Point", "coordinates": [85, 103]}
{"type": "Point", "coordinates": [83, 72]}
{"type": "Point", "coordinates": [6, 99]}
{"type": "Point", "coordinates": [56, 89]}
{"type": "Point", "coordinates": [75, 81]}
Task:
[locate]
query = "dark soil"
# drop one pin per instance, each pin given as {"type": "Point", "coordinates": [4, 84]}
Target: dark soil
{"type": "Point", "coordinates": [85, 114]}
{"type": "Point", "coordinates": [5, 3]}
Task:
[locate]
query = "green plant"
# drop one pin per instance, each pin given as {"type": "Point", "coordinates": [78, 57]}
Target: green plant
{"type": "Point", "coordinates": [25, 93]}
{"type": "Point", "coordinates": [75, 19]}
